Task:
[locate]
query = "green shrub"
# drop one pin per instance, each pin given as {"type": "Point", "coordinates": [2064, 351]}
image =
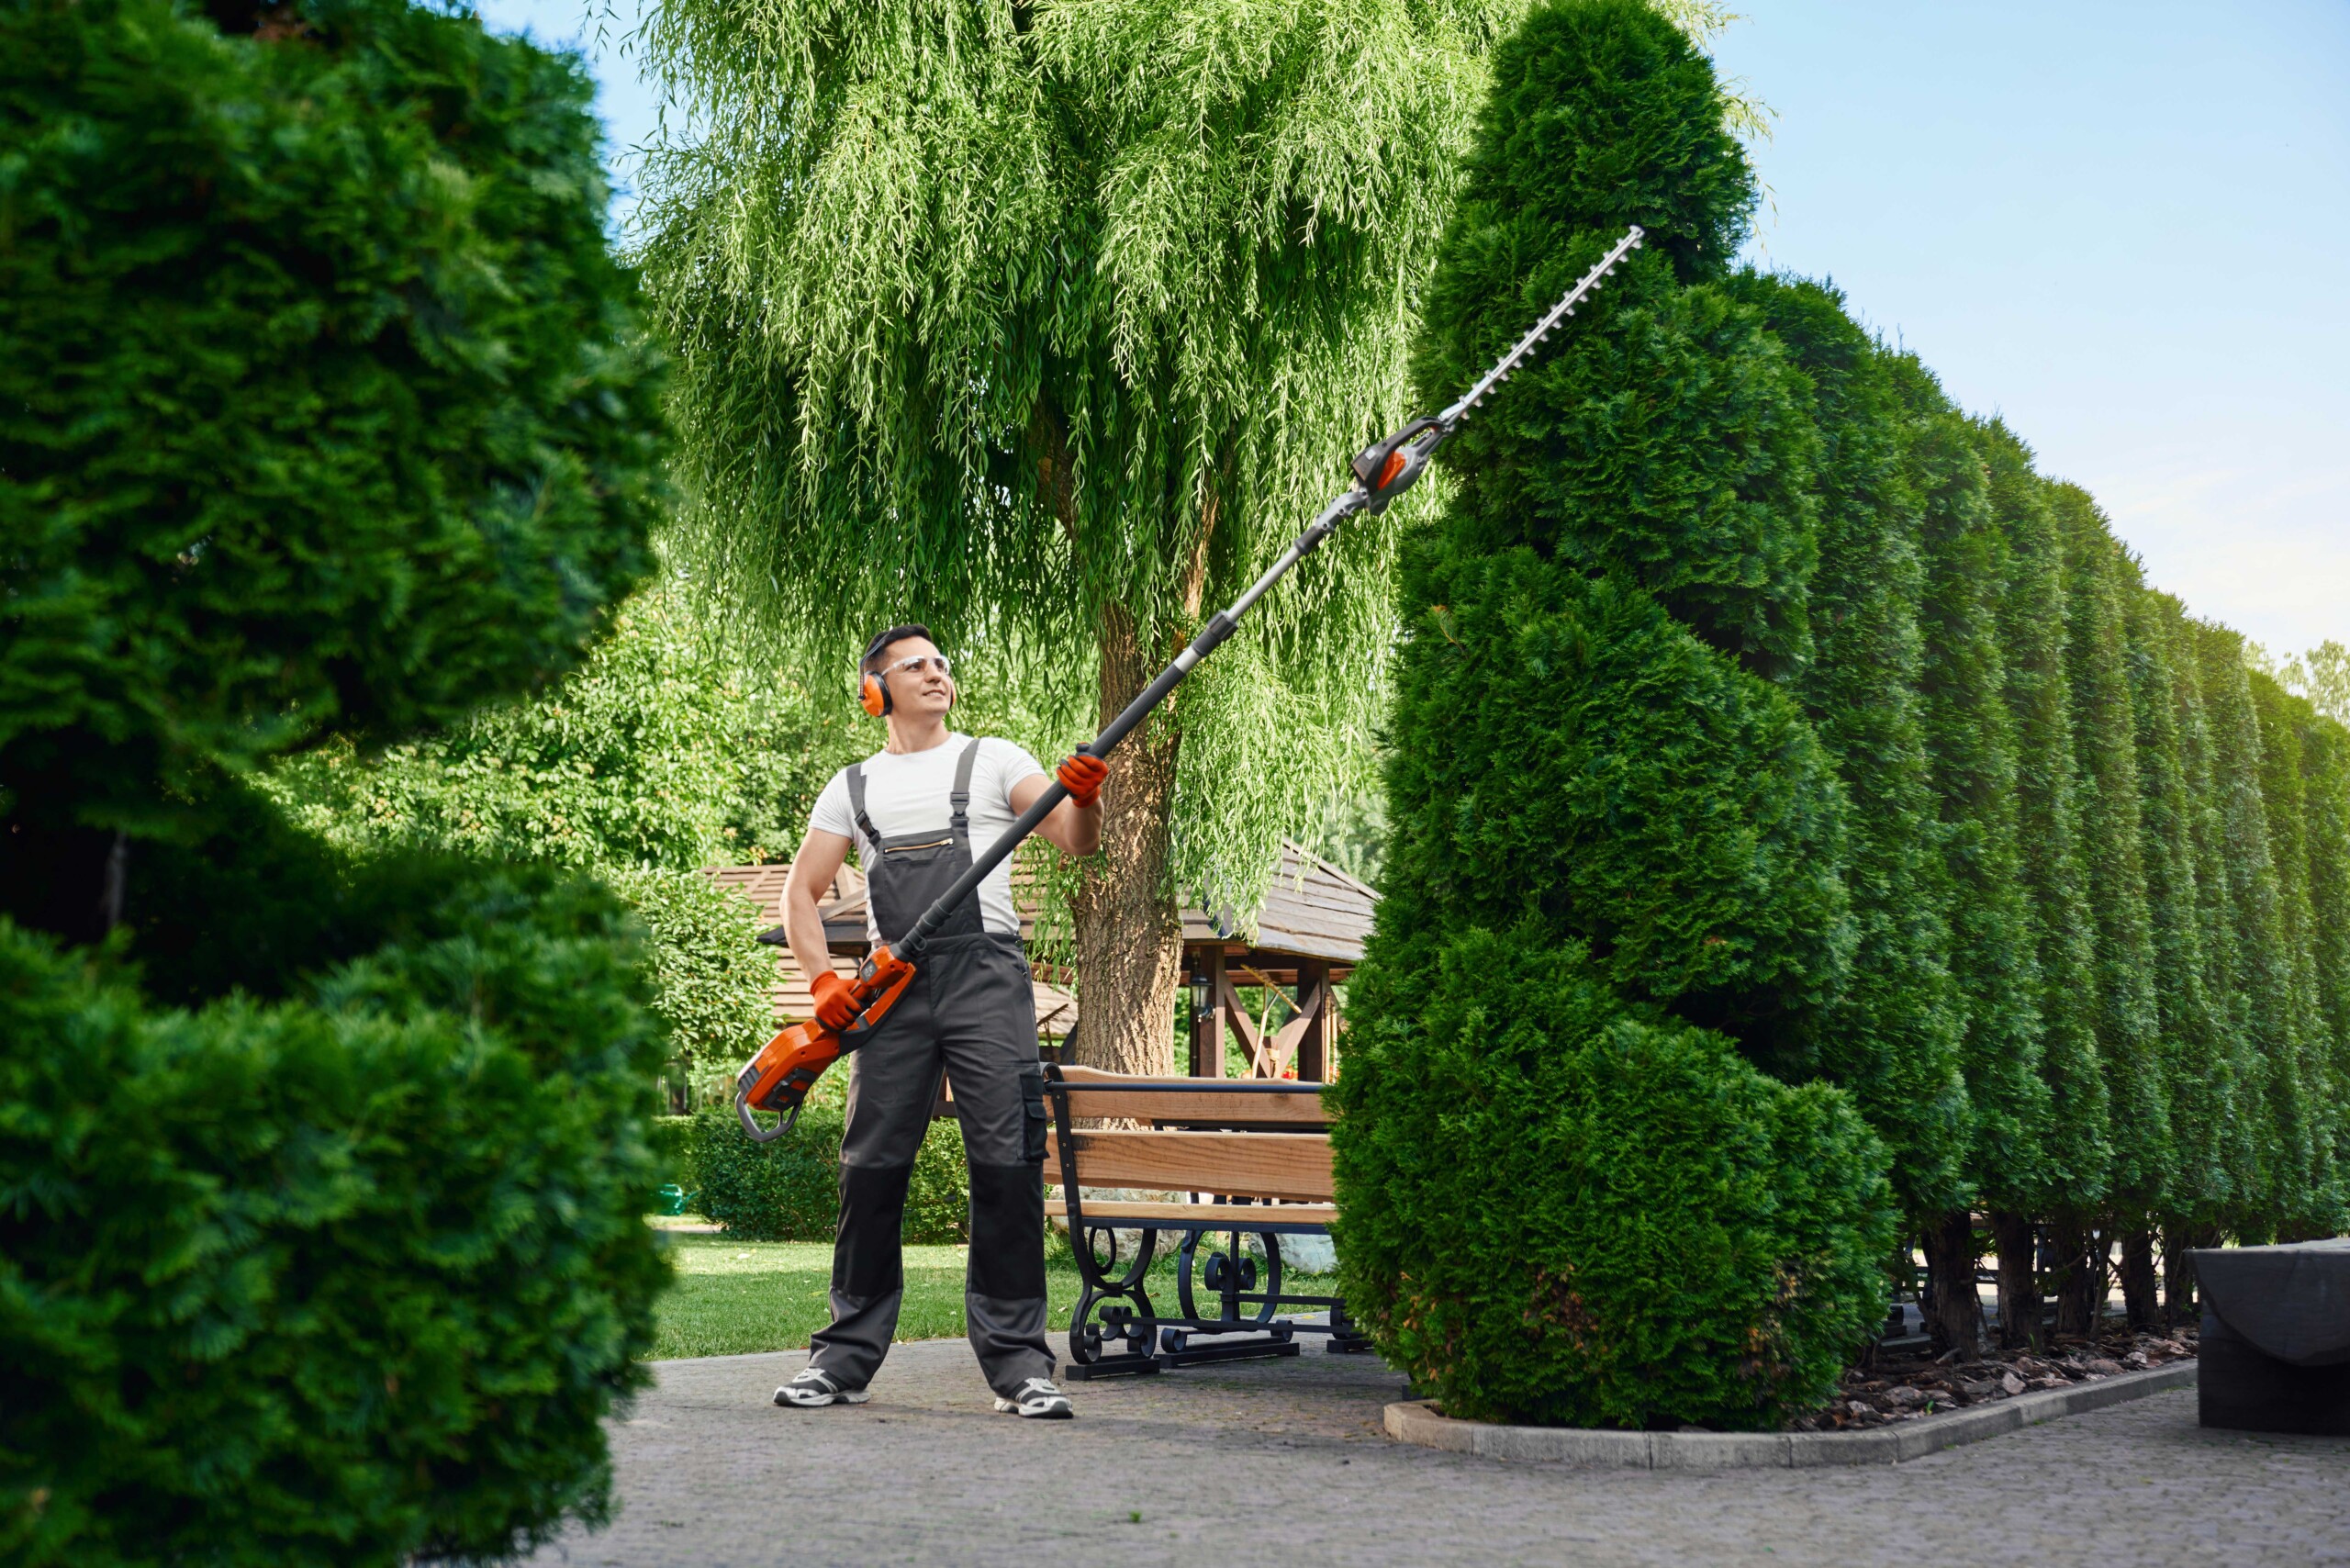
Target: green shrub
{"type": "Point", "coordinates": [790, 1190]}
{"type": "Point", "coordinates": [323, 410]}
{"type": "Point", "coordinates": [318, 383]}
{"type": "Point", "coordinates": [1606, 770]}
{"type": "Point", "coordinates": [784, 1190]}
{"type": "Point", "coordinates": [1562, 1195]}
{"type": "Point", "coordinates": [1558, 1209]}
{"type": "Point", "coordinates": [337, 1279]}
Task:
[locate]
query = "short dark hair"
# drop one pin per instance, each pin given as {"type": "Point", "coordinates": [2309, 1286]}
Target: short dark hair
{"type": "Point", "coordinates": [872, 660]}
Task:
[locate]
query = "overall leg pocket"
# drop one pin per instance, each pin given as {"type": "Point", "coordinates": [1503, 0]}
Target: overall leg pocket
{"type": "Point", "coordinates": [1032, 1114]}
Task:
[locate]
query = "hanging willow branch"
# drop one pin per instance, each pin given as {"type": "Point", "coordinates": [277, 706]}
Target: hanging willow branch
{"type": "Point", "coordinates": [1012, 318]}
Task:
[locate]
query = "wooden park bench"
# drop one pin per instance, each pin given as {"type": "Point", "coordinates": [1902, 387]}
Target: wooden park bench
{"type": "Point", "coordinates": [1255, 1155]}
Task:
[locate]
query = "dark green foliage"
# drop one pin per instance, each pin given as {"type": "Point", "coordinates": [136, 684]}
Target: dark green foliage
{"type": "Point", "coordinates": [1970, 737]}
{"type": "Point", "coordinates": [2194, 1066]}
{"type": "Point", "coordinates": [321, 1179]}
{"type": "Point", "coordinates": [1893, 1036]}
{"type": "Point", "coordinates": [343, 1278]}
{"type": "Point", "coordinates": [2228, 1081]}
{"type": "Point", "coordinates": [2074, 1153]}
{"type": "Point", "coordinates": [1663, 439]}
{"type": "Point", "coordinates": [1612, 776]}
{"type": "Point", "coordinates": [790, 1190]}
{"type": "Point", "coordinates": [1560, 1199]}
{"type": "Point", "coordinates": [2325, 772]}
{"type": "Point", "coordinates": [784, 1190]}
{"type": "Point", "coordinates": [2097, 580]}
{"type": "Point", "coordinates": [2308, 1200]}
{"type": "Point", "coordinates": [2277, 1137]}
{"type": "Point", "coordinates": [320, 402]}
{"type": "Point", "coordinates": [1559, 1208]}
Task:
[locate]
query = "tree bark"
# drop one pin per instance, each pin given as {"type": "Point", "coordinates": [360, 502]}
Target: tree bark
{"type": "Point", "coordinates": [1956, 1321]}
{"type": "Point", "coordinates": [2080, 1277]}
{"type": "Point", "coordinates": [2019, 1308]}
{"type": "Point", "coordinates": [2179, 1242]}
{"type": "Point", "coordinates": [2138, 1297]}
{"type": "Point", "coordinates": [1129, 937]}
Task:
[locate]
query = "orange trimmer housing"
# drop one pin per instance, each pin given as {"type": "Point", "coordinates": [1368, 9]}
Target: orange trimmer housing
{"type": "Point", "coordinates": [787, 1067]}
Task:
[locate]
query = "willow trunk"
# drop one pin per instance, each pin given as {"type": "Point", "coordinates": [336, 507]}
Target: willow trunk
{"type": "Point", "coordinates": [1129, 938]}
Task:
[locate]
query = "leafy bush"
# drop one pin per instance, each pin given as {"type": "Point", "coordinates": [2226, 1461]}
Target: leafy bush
{"type": "Point", "coordinates": [339, 1279]}
{"type": "Point", "coordinates": [322, 410]}
{"type": "Point", "coordinates": [790, 1190]}
{"type": "Point", "coordinates": [710, 976]}
{"type": "Point", "coordinates": [319, 392]}
{"type": "Point", "coordinates": [1557, 1209]}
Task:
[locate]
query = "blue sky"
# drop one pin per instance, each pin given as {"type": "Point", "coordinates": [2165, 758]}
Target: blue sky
{"type": "Point", "coordinates": [2124, 227]}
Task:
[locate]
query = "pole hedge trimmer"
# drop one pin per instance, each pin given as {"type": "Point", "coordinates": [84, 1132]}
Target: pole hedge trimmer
{"type": "Point", "coordinates": [779, 1077]}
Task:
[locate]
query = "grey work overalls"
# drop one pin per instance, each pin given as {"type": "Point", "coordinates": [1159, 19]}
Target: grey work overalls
{"type": "Point", "coordinates": [969, 1010]}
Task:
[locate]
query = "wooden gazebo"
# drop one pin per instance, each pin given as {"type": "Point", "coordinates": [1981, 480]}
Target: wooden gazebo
{"type": "Point", "coordinates": [1308, 940]}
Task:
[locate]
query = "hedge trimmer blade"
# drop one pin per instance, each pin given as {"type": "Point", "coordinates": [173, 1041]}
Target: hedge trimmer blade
{"type": "Point", "coordinates": [1386, 468]}
{"type": "Point", "coordinates": [1542, 329]}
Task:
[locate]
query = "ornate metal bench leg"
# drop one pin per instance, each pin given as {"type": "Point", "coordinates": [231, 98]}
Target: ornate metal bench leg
{"type": "Point", "coordinates": [1229, 1273]}
{"type": "Point", "coordinates": [1126, 1313]}
{"type": "Point", "coordinates": [1346, 1339]}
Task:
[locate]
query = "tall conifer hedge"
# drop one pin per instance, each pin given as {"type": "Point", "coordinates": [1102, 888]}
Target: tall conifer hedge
{"type": "Point", "coordinates": [1761, 710]}
{"type": "Point", "coordinates": [1564, 1196]}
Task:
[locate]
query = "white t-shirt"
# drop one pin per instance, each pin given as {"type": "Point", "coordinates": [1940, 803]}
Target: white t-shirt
{"type": "Point", "coordinates": [907, 792]}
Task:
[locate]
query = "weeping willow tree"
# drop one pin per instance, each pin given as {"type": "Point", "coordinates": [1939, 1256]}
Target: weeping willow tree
{"type": "Point", "coordinates": [1049, 324]}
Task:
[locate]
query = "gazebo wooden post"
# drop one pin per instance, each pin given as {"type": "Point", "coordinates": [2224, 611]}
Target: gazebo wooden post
{"type": "Point", "coordinates": [1313, 976]}
{"type": "Point", "coordinates": [1207, 1020]}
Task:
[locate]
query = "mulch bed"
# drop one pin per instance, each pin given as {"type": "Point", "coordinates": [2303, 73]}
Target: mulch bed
{"type": "Point", "coordinates": [1904, 1387]}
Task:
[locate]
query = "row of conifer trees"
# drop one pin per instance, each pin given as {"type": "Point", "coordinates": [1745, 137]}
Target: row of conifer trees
{"type": "Point", "coordinates": [2113, 970]}
{"type": "Point", "coordinates": [1766, 723]}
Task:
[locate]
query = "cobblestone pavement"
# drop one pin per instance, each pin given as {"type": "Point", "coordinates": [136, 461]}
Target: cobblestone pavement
{"type": "Point", "coordinates": [1283, 1463]}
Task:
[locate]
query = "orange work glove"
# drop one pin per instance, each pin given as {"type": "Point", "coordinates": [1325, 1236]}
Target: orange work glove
{"type": "Point", "coordinates": [835, 1002]}
{"type": "Point", "coordinates": [1082, 776]}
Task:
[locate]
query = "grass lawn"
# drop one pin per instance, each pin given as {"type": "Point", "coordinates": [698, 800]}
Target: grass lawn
{"type": "Point", "coordinates": [734, 1297]}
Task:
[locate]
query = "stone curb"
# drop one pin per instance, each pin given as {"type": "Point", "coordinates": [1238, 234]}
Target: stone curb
{"type": "Point", "coordinates": [1415, 1422]}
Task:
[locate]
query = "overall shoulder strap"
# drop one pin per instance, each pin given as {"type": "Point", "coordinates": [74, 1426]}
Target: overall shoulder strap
{"type": "Point", "coordinates": [857, 802]}
{"type": "Point", "coordinates": [961, 798]}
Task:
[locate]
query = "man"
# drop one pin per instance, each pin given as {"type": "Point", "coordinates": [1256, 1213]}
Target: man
{"type": "Point", "coordinates": [918, 812]}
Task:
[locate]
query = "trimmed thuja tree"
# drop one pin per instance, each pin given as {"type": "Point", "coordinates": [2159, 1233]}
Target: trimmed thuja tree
{"type": "Point", "coordinates": [1970, 734]}
{"type": "Point", "coordinates": [2307, 1202]}
{"type": "Point", "coordinates": [320, 1177]}
{"type": "Point", "coordinates": [1893, 1036]}
{"type": "Point", "coordinates": [1565, 1196]}
{"type": "Point", "coordinates": [2069, 1161]}
{"type": "Point", "coordinates": [2126, 1017]}
{"type": "Point", "coordinates": [2193, 1065]}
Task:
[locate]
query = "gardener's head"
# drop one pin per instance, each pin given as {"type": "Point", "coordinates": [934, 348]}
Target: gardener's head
{"type": "Point", "coordinates": [904, 675]}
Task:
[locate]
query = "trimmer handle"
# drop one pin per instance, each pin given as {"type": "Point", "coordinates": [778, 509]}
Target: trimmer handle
{"type": "Point", "coordinates": [759, 1134]}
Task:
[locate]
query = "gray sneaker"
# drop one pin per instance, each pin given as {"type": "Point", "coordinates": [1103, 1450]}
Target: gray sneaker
{"type": "Point", "coordinates": [1038, 1400]}
{"type": "Point", "coordinates": [812, 1390]}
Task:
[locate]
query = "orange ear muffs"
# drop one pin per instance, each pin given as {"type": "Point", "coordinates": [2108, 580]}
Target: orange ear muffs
{"type": "Point", "coordinates": [874, 692]}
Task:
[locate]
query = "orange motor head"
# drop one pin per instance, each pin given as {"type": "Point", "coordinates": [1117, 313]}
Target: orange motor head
{"type": "Point", "coordinates": [779, 1077]}
{"type": "Point", "coordinates": [787, 1067]}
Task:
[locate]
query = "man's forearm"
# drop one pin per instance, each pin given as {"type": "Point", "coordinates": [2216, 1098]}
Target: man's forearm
{"type": "Point", "coordinates": [804, 930]}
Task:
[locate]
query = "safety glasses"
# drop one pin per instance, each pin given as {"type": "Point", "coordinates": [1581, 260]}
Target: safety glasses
{"type": "Point", "coordinates": [917, 663]}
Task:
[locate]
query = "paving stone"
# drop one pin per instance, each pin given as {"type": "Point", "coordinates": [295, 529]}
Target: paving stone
{"type": "Point", "coordinates": [1286, 1461]}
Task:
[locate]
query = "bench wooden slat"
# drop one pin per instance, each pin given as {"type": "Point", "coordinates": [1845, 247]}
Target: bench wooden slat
{"type": "Point", "coordinates": [1238, 1216]}
{"type": "Point", "coordinates": [1237, 1165]}
{"type": "Point", "coordinates": [1185, 1100]}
